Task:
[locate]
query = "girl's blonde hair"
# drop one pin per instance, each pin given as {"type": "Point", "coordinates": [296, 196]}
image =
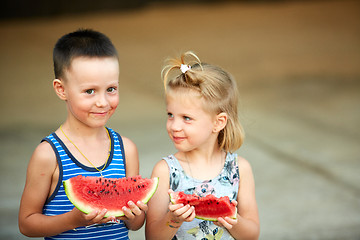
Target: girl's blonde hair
{"type": "Point", "coordinates": [216, 86]}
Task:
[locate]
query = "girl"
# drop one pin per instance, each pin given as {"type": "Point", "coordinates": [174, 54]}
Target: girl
{"type": "Point", "coordinates": [203, 124]}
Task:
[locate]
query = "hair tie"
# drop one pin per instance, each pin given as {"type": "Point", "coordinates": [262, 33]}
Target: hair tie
{"type": "Point", "coordinates": [184, 68]}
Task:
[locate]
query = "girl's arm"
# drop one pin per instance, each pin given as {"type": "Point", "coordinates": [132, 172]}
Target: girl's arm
{"type": "Point", "coordinates": [247, 225]}
{"type": "Point", "coordinates": [163, 218]}
{"type": "Point", "coordinates": [40, 173]}
{"type": "Point", "coordinates": [135, 215]}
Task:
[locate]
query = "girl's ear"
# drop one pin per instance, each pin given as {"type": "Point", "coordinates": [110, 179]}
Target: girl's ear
{"type": "Point", "coordinates": [220, 122]}
{"type": "Point", "coordinates": [59, 89]}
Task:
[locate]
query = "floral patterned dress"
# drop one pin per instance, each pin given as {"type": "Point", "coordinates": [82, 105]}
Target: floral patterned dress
{"type": "Point", "coordinates": [225, 184]}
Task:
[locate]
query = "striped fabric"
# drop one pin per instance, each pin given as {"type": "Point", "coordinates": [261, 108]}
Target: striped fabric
{"type": "Point", "coordinates": [69, 167]}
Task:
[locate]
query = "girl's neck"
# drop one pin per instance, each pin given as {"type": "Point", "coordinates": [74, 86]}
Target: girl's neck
{"type": "Point", "coordinates": [203, 158]}
{"type": "Point", "coordinates": [202, 166]}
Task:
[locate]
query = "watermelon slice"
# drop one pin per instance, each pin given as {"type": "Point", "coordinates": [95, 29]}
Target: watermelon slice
{"type": "Point", "coordinates": [96, 193]}
{"type": "Point", "coordinates": [207, 208]}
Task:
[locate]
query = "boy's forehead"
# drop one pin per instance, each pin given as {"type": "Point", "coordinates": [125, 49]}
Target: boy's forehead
{"type": "Point", "coordinates": [81, 63]}
{"type": "Point", "coordinates": [91, 59]}
{"type": "Point", "coordinates": [82, 60]}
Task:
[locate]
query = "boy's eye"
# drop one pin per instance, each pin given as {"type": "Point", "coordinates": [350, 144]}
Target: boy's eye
{"type": "Point", "coordinates": [90, 91]}
{"type": "Point", "coordinates": [111, 89]}
{"type": "Point", "coordinates": [170, 115]}
{"type": "Point", "coordinates": [187, 118]}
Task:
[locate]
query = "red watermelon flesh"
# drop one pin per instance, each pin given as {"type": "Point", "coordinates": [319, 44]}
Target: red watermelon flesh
{"type": "Point", "coordinates": [96, 193]}
{"type": "Point", "coordinates": [207, 208]}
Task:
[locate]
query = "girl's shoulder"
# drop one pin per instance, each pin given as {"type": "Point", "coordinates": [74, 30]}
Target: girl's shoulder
{"type": "Point", "coordinates": [244, 166]}
{"type": "Point", "coordinates": [161, 169]}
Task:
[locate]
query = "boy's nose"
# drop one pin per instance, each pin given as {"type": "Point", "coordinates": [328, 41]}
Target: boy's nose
{"type": "Point", "coordinates": [101, 101]}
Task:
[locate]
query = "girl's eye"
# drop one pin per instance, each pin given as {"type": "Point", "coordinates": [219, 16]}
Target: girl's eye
{"type": "Point", "coordinates": [111, 89]}
{"type": "Point", "coordinates": [170, 115]}
{"type": "Point", "coordinates": [187, 118]}
{"type": "Point", "coordinates": [90, 91]}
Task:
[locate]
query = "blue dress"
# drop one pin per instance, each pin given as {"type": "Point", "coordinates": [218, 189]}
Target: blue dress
{"type": "Point", "coordinates": [225, 184]}
{"type": "Point", "coordinates": [69, 167]}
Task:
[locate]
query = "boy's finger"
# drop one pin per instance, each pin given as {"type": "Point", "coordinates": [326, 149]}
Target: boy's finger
{"type": "Point", "coordinates": [134, 208]}
{"type": "Point", "coordinates": [142, 206]}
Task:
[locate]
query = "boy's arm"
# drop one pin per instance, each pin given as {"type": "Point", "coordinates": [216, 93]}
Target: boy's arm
{"type": "Point", "coordinates": [247, 225]}
{"type": "Point", "coordinates": [136, 215]}
{"type": "Point", "coordinates": [41, 170]}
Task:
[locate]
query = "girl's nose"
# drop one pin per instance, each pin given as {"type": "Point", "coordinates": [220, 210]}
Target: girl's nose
{"type": "Point", "coordinates": [175, 125]}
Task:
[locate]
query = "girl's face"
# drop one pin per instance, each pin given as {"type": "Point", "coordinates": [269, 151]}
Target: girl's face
{"type": "Point", "coordinates": [91, 89]}
{"type": "Point", "coordinates": [189, 125]}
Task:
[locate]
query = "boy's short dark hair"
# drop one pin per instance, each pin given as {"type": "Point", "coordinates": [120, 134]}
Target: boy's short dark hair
{"type": "Point", "coordinates": [81, 43]}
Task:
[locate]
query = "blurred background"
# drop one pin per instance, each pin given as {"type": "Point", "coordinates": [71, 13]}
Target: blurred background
{"type": "Point", "coordinates": [297, 64]}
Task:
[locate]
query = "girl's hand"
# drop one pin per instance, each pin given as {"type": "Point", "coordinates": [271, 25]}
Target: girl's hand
{"type": "Point", "coordinates": [227, 222]}
{"type": "Point", "coordinates": [181, 212]}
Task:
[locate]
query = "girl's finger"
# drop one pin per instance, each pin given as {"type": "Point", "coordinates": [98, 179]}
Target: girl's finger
{"type": "Point", "coordinates": [174, 207]}
{"type": "Point", "coordinates": [192, 215]}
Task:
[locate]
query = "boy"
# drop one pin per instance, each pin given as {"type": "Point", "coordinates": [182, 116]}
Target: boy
{"type": "Point", "coordinates": [86, 78]}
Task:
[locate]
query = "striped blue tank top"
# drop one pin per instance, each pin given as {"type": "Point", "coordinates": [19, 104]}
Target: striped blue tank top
{"type": "Point", "coordinates": [69, 167]}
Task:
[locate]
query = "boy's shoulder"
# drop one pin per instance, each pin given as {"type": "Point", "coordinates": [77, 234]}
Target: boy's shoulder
{"type": "Point", "coordinates": [44, 156]}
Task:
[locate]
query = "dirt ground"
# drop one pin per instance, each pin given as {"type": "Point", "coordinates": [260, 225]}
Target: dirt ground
{"type": "Point", "coordinates": [298, 69]}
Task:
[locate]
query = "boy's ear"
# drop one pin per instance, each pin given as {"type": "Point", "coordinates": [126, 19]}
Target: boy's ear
{"type": "Point", "coordinates": [221, 120]}
{"type": "Point", "coordinates": [59, 89]}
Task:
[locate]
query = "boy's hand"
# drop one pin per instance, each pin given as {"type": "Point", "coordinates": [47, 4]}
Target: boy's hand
{"type": "Point", "coordinates": [94, 217]}
{"type": "Point", "coordinates": [133, 210]}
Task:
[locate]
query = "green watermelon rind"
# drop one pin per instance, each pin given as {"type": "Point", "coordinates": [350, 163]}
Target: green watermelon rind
{"type": "Point", "coordinates": [87, 209]}
{"type": "Point", "coordinates": [173, 200]}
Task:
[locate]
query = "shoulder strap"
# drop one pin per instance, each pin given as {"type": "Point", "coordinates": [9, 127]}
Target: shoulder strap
{"type": "Point", "coordinates": [121, 147]}
{"type": "Point", "coordinates": [58, 159]}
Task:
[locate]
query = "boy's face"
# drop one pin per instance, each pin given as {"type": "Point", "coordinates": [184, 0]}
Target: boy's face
{"type": "Point", "coordinates": [91, 88]}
